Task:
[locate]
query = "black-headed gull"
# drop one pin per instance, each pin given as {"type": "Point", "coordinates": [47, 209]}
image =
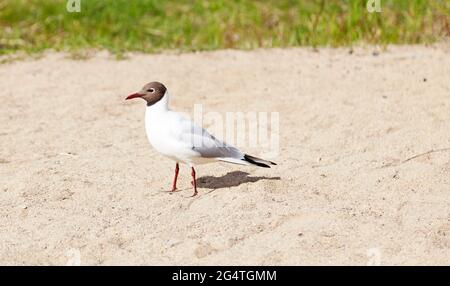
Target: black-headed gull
{"type": "Point", "coordinates": [178, 138]}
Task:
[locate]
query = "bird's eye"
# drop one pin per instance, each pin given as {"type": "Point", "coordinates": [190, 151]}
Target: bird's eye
{"type": "Point", "coordinates": [151, 90]}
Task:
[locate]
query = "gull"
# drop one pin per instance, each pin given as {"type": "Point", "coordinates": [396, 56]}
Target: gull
{"type": "Point", "coordinates": [179, 139]}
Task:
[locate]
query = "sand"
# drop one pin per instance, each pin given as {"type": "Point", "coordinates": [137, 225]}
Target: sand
{"type": "Point", "coordinates": [363, 175]}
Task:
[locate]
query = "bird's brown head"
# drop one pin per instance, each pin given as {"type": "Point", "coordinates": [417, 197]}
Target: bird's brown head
{"type": "Point", "coordinates": [152, 93]}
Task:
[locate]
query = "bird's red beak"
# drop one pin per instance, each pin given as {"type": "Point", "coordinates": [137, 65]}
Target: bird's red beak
{"type": "Point", "coordinates": [134, 95]}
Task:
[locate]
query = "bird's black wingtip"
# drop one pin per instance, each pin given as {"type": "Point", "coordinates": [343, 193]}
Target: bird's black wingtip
{"type": "Point", "coordinates": [257, 161]}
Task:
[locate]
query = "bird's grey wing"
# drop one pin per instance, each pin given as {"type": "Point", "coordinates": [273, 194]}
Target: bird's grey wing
{"type": "Point", "coordinates": [207, 145]}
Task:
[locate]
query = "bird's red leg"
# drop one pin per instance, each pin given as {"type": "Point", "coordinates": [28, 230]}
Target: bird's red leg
{"type": "Point", "coordinates": [174, 187]}
{"type": "Point", "coordinates": [194, 182]}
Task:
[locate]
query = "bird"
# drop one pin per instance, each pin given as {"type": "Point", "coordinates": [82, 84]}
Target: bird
{"type": "Point", "coordinates": [181, 140]}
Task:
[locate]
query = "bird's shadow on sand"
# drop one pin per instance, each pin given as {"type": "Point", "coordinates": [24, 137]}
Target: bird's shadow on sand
{"type": "Point", "coordinates": [231, 179]}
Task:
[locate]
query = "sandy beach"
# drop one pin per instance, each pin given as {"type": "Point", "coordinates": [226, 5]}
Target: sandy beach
{"type": "Point", "coordinates": [363, 174]}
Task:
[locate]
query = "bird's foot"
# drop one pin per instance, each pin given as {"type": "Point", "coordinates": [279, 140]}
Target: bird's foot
{"type": "Point", "coordinates": [172, 190]}
{"type": "Point", "coordinates": [195, 193]}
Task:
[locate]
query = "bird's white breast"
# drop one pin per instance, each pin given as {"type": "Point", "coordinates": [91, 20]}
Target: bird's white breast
{"type": "Point", "coordinates": [164, 130]}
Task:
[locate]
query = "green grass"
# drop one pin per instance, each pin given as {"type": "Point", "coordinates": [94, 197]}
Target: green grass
{"type": "Point", "coordinates": [186, 25]}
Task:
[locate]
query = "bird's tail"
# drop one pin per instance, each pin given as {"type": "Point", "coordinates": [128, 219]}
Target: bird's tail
{"type": "Point", "coordinates": [257, 161]}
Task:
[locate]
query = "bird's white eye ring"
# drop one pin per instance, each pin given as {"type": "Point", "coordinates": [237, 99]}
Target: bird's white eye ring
{"type": "Point", "coordinates": [151, 90]}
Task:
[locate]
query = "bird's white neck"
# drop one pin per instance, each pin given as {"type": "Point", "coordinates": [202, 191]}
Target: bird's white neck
{"type": "Point", "coordinates": [161, 106]}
